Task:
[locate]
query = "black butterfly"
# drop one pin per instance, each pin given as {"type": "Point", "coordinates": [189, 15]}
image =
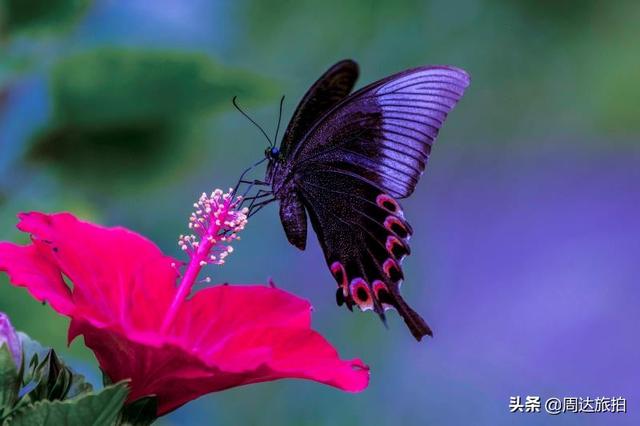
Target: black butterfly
{"type": "Point", "coordinates": [345, 160]}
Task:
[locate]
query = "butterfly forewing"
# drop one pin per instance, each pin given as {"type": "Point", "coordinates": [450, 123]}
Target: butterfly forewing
{"type": "Point", "coordinates": [387, 128]}
{"type": "Point", "coordinates": [331, 88]}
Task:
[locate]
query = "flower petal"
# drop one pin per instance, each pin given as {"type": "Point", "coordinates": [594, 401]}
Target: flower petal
{"type": "Point", "coordinates": [225, 336]}
{"type": "Point", "coordinates": [28, 266]}
{"type": "Point", "coordinates": [177, 376]}
{"type": "Point", "coordinates": [9, 337]}
{"type": "Point", "coordinates": [214, 313]}
{"type": "Point", "coordinates": [104, 264]}
{"type": "Point", "coordinates": [271, 353]}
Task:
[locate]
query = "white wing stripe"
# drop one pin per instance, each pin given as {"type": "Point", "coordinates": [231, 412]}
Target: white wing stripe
{"type": "Point", "coordinates": [454, 78]}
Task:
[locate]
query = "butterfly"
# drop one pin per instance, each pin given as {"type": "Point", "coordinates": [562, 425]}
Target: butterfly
{"type": "Point", "coordinates": [346, 159]}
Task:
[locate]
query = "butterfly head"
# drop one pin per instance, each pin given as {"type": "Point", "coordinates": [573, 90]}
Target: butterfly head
{"type": "Point", "coordinates": [272, 153]}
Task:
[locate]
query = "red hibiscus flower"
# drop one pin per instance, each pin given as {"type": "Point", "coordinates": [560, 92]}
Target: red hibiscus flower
{"type": "Point", "coordinates": [141, 326]}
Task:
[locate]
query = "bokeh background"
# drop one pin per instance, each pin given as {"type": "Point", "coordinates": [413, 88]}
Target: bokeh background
{"type": "Point", "coordinates": [526, 249]}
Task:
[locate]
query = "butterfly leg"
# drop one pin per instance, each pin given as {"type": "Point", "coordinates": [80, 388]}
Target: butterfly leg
{"type": "Point", "coordinates": [244, 173]}
{"type": "Point", "coordinates": [255, 208]}
{"type": "Point", "coordinates": [257, 201]}
{"type": "Point", "coordinates": [250, 185]}
{"type": "Point", "coordinates": [257, 182]}
{"type": "Point", "coordinates": [260, 195]}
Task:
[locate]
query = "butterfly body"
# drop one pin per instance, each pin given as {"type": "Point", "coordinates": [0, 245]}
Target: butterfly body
{"type": "Point", "coordinates": [345, 160]}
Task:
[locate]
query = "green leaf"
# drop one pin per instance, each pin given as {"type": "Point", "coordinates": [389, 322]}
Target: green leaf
{"type": "Point", "coordinates": [59, 377]}
{"type": "Point", "coordinates": [106, 380]}
{"type": "Point", "coordinates": [79, 386]}
{"type": "Point", "coordinates": [132, 115]}
{"type": "Point", "coordinates": [12, 67]}
{"type": "Point", "coordinates": [31, 348]}
{"type": "Point", "coordinates": [141, 412]}
{"type": "Point", "coordinates": [50, 379]}
{"type": "Point", "coordinates": [37, 16]}
{"type": "Point", "coordinates": [9, 380]}
{"type": "Point", "coordinates": [96, 409]}
{"type": "Point", "coordinates": [112, 87]}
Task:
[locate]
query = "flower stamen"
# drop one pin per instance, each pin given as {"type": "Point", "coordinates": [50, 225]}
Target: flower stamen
{"type": "Point", "coordinates": [215, 224]}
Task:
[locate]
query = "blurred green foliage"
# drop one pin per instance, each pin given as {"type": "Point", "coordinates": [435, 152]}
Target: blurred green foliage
{"type": "Point", "coordinates": [132, 109]}
{"type": "Point", "coordinates": [113, 87]}
{"type": "Point", "coordinates": [100, 409]}
{"type": "Point", "coordinates": [43, 390]}
{"type": "Point", "coordinates": [36, 16]}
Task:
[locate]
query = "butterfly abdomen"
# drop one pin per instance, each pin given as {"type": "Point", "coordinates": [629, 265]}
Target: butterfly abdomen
{"type": "Point", "coordinates": [293, 217]}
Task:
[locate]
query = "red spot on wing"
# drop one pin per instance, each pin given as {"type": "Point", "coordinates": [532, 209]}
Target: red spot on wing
{"type": "Point", "coordinates": [392, 270]}
{"type": "Point", "coordinates": [340, 275]}
{"type": "Point", "coordinates": [388, 203]}
{"type": "Point", "coordinates": [396, 226]}
{"type": "Point", "coordinates": [382, 294]}
{"type": "Point", "coordinates": [396, 248]}
{"type": "Point", "coordinates": [361, 294]}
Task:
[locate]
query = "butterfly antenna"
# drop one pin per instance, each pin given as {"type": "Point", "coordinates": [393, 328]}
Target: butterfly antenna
{"type": "Point", "coordinates": [235, 104]}
{"type": "Point", "coordinates": [279, 119]}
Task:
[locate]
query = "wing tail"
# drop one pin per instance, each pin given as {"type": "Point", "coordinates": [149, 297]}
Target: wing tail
{"type": "Point", "coordinates": [414, 321]}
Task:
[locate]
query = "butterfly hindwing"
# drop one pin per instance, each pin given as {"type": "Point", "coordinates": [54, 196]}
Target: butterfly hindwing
{"type": "Point", "coordinates": [364, 237]}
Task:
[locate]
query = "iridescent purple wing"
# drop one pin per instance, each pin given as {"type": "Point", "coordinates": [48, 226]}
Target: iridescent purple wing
{"type": "Point", "coordinates": [350, 168]}
{"type": "Point", "coordinates": [385, 131]}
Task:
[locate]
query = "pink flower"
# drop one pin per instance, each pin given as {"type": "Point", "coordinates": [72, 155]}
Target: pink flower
{"type": "Point", "coordinates": [9, 338]}
{"type": "Point", "coordinates": [141, 326]}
